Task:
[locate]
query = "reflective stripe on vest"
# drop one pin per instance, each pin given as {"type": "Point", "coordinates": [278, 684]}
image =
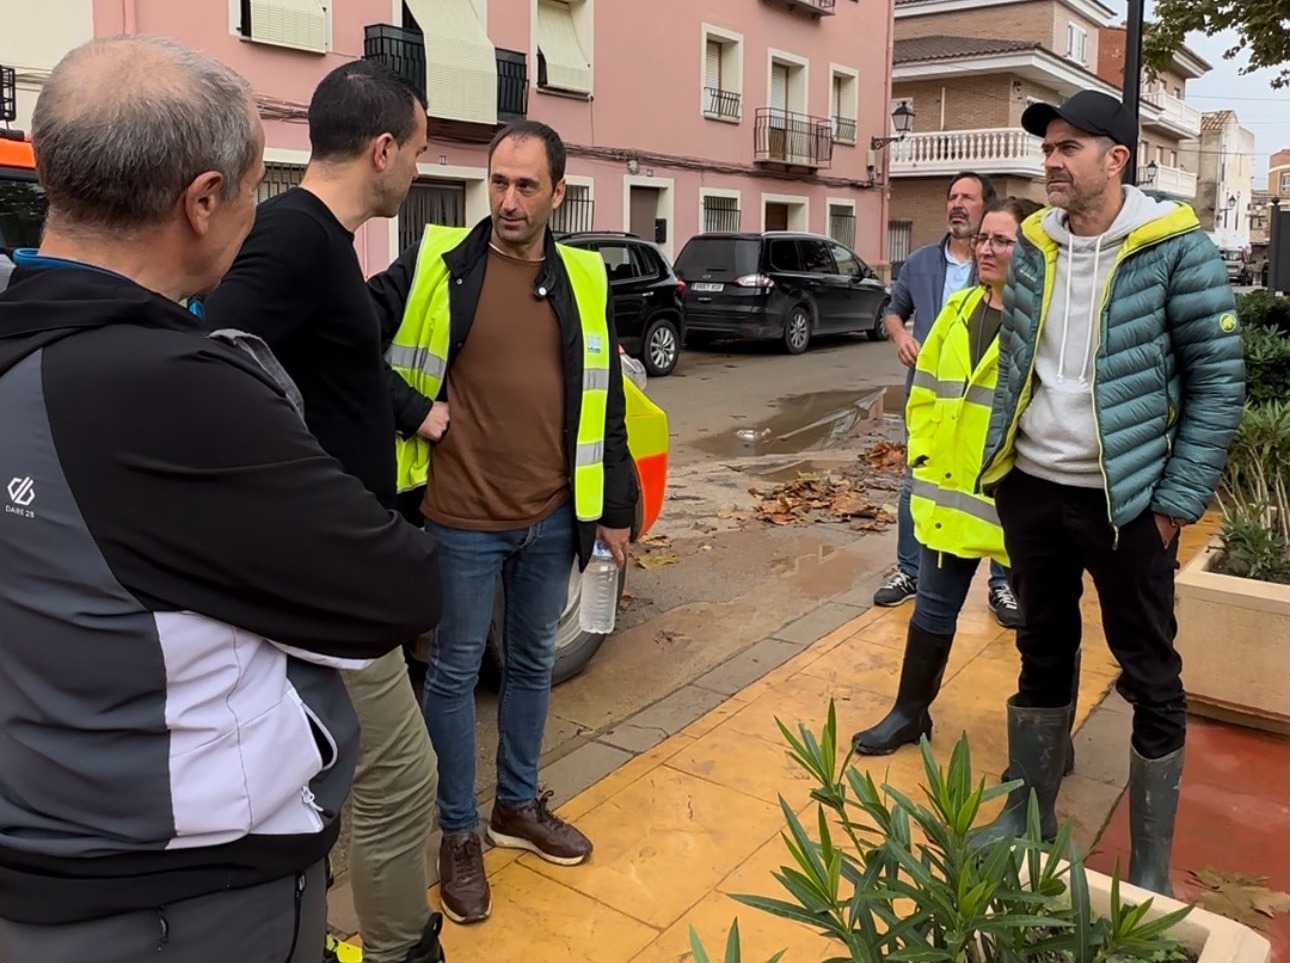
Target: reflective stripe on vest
{"type": "Point", "coordinates": [419, 353]}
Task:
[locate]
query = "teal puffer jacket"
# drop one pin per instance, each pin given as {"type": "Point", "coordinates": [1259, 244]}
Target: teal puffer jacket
{"type": "Point", "coordinates": [1169, 372]}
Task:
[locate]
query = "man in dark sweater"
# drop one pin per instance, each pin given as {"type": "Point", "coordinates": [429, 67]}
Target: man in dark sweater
{"type": "Point", "coordinates": [298, 284]}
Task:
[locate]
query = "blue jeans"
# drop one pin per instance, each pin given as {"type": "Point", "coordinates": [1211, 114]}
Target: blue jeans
{"type": "Point", "coordinates": [534, 565]}
{"type": "Point", "coordinates": [943, 584]}
{"type": "Point", "coordinates": [909, 552]}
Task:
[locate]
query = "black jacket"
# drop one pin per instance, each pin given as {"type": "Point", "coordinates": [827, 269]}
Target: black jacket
{"type": "Point", "coordinates": [172, 537]}
{"type": "Point", "coordinates": [466, 265]}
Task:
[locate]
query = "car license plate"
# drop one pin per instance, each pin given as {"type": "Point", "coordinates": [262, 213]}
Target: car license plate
{"type": "Point", "coordinates": [707, 288]}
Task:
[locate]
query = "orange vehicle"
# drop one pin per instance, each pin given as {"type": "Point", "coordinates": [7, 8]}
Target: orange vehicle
{"type": "Point", "coordinates": [22, 203]}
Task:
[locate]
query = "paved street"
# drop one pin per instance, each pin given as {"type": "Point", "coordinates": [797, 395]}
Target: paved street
{"type": "Point", "coordinates": [735, 584]}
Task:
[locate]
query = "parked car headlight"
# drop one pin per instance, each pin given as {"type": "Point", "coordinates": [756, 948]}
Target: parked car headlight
{"type": "Point", "coordinates": [633, 371]}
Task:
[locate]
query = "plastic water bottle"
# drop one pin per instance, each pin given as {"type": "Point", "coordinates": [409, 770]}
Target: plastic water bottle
{"type": "Point", "coordinates": [599, 592]}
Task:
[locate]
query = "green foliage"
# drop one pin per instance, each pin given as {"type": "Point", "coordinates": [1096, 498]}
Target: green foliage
{"type": "Point", "coordinates": [1262, 39]}
{"type": "Point", "coordinates": [1263, 309]}
{"type": "Point", "coordinates": [859, 877]}
{"type": "Point", "coordinates": [1255, 496]}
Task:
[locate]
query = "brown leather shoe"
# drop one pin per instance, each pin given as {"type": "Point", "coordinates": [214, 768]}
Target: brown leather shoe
{"type": "Point", "coordinates": [463, 884]}
{"type": "Point", "coordinates": [534, 827]}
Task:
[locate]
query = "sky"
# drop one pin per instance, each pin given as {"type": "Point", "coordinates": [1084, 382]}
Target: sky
{"type": "Point", "coordinates": [1262, 109]}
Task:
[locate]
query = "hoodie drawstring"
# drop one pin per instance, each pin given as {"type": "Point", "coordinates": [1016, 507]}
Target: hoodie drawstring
{"type": "Point", "coordinates": [1092, 314]}
{"type": "Point", "coordinates": [1066, 316]}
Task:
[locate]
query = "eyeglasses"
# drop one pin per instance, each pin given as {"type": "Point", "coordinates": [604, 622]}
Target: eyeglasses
{"type": "Point", "coordinates": [996, 241]}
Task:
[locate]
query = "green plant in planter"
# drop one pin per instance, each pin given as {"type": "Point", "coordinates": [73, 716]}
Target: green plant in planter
{"type": "Point", "coordinates": [1255, 497]}
{"type": "Point", "coordinates": [862, 880]}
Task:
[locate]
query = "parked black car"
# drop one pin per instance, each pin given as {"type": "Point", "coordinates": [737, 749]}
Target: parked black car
{"type": "Point", "coordinates": [783, 285]}
{"type": "Point", "coordinates": [647, 296]}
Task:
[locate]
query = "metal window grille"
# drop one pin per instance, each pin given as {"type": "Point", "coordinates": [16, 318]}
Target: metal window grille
{"type": "Point", "coordinates": [842, 226]}
{"type": "Point", "coordinates": [8, 94]}
{"type": "Point", "coordinates": [512, 86]}
{"type": "Point", "coordinates": [430, 203]}
{"type": "Point", "coordinates": [844, 130]}
{"type": "Point", "coordinates": [722, 103]}
{"type": "Point", "coordinates": [403, 51]}
{"type": "Point", "coordinates": [279, 178]}
{"type": "Point", "coordinates": [721, 214]}
{"type": "Point", "coordinates": [899, 238]}
{"type": "Point", "coordinates": [576, 213]}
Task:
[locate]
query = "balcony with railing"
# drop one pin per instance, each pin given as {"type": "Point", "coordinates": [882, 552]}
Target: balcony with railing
{"type": "Point", "coordinates": [844, 130]}
{"type": "Point", "coordinates": [791, 139]}
{"type": "Point", "coordinates": [997, 150]}
{"type": "Point", "coordinates": [1167, 180]}
{"type": "Point", "coordinates": [404, 52]}
{"type": "Point", "coordinates": [721, 104]}
{"type": "Point", "coordinates": [817, 8]}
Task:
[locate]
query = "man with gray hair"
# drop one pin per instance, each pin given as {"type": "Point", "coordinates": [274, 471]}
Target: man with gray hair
{"type": "Point", "coordinates": [177, 553]}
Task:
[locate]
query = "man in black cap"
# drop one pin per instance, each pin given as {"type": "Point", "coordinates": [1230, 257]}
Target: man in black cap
{"type": "Point", "coordinates": [1121, 384]}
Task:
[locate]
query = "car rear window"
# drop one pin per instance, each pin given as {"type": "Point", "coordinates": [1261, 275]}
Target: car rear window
{"type": "Point", "coordinates": [721, 258]}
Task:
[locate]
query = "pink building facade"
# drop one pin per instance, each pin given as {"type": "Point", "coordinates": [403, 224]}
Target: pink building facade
{"type": "Point", "coordinates": [679, 116]}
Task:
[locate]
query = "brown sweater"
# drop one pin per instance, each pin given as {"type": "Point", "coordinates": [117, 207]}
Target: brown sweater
{"type": "Point", "coordinates": [502, 464]}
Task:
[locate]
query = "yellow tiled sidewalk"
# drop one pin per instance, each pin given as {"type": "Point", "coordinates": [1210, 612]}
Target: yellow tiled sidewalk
{"type": "Point", "coordinates": [679, 828]}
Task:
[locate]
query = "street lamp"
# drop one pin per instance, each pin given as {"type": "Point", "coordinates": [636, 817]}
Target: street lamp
{"type": "Point", "coordinates": [1149, 174]}
{"type": "Point", "coordinates": [902, 120]}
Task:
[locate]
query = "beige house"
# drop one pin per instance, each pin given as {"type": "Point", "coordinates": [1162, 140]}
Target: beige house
{"type": "Point", "coordinates": [1223, 158]}
{"type": "Point", "coordinates": [969, 68]}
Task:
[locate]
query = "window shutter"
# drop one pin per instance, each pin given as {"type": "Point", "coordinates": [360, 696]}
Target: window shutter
{"type": "Point", "coordinates": [290, 23]}
{"type": "Point", "coordinates": [779, 87]}
{"type": "Point", "coordinates": [461, 63]}
{"type": "Point", "coordinates": [712, 66]}
{"type": "Point", "coordinates": [567, 65]}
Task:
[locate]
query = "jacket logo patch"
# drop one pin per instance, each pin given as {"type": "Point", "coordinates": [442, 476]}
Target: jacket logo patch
{"type": "Point", "coordinates": [1228, 323]}
{"type": "Point", "coordinates": [22, 492]}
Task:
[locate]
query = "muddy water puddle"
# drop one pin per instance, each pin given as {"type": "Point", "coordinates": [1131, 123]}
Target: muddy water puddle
{"type": "Point", "coordinates": [816, 422]}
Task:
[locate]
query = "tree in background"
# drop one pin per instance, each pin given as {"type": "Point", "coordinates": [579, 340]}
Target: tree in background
{"type": "Point", "coordinates": [1263, 27]}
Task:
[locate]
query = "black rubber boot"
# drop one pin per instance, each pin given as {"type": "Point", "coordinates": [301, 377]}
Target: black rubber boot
{"type": "Point", "coordinates": [1070, 743]}
{"type": "Point", "coordinates": [1153, 803]}
{"type": "Point", "coordinates": [921, 673]}
{"type": "Point", "coordinates": [1037, 753]}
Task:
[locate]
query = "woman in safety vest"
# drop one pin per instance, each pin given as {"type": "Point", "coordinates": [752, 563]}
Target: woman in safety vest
{"type": "Point", "coordinates": [947, 415]}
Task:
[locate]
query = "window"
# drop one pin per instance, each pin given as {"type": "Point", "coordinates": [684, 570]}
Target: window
{"type": "Point", "coordinates": [1285, 184]}
{"type": "Point", "coordinates": [900, 236]}
{"type": "Point", "coordinates": [816, 258]}
{"type": "Point", "coordinates": [461, 63]}
{"type": "Point", "coordinates": [302, 24]}
{"type": "Point", "coordinates": [721, 214]}
{"type": "Point", "coordinates": [849, 265]}
{"type": "Point", "coordinates": [563, 45]}
{"type": "Point", "coordinates": [843, 102]}
{"type": "Point", "coordinates": [1173, 158]}
{"type": "Point", "coordinates": [22, 211]}
{"type": "Point", "coordinates": [576, 212]}
{"type": "Point", "coordinates": [722, 74]}
{"type": "Point", "coordinates": [784, 256]}
{"type": "Point", "coordinates": [431, 202]}
{"type": "Point", "coordinates": [842, 223]}
{"type": "Point", "coordinates": [1076, 43]}
{"type": "Point", "coordinates": [279, 178]}
{"type": "Point", "coordinates": [620, 262]}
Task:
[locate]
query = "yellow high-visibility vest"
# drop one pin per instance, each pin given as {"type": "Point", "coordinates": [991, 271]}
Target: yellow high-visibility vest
{"type": "Point", "coordinates": [947, 416]}
{"type": "Point", "coordinates": [419, 353]}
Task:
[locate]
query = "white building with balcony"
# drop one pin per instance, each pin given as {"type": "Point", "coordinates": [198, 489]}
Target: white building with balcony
{"type": "Point", "coordinates": [1223, 158]}
{"type": "Point", "coordinates": [968, 70]}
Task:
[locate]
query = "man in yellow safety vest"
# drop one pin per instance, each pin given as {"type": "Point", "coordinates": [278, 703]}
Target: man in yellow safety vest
{"type": "Point", "coordinates": [508, 336]}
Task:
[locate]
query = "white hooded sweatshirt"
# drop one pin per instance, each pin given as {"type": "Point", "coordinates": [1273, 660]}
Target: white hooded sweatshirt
{"type": "Point", "coordinates": [1057, 436]}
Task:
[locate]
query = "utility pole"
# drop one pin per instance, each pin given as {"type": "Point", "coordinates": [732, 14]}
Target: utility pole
{"type": "Point", "coordinates": [1133, 78]}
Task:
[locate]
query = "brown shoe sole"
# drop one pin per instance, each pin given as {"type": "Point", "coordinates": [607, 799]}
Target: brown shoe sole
{"type": "Point", "coordinates": [518, 842]}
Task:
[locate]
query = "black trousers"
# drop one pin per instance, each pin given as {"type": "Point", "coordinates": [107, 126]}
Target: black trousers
{"type": "Point", "coordinates": [1054, 534]}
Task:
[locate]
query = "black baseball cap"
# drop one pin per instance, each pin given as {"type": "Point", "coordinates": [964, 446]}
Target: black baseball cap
{"type": "Point", "coordinates": [1090, 111]}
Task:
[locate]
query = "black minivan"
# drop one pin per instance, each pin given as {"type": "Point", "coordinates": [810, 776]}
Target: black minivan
{"type": "Point", "coordinates": [781, 285]}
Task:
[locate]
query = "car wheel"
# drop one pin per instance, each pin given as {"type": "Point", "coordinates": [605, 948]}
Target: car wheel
{"type": "Point", "coordinates": [879, 330]}
{"type": "Point", "coordinates": [574, 648]}
{"type": "Point", "coordinates": [797, 330]}
{"type": "Point", "coordinates": [661, 348]}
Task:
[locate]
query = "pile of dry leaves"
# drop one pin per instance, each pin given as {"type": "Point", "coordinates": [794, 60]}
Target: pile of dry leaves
{"type": "Point", "coordinates": [857, 494]}
{"type": "Point", "coordinates": [1246, 899]}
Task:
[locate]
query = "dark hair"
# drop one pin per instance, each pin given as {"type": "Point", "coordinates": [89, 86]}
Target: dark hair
{"type": "Point", "coordinates": [525, 129]}
{"type": "Point", "coordinates": [988, 192]}
{"type": "Point", "coordinates": [1019, 207]}
{"type": "Point", "coordinates": [356, 103]}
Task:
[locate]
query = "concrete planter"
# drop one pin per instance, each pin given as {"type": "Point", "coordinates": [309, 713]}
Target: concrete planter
{"type": "Point", "coordinates": [1214, 938]}
{"type": "Point", "coordinates": [1234, 639]}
